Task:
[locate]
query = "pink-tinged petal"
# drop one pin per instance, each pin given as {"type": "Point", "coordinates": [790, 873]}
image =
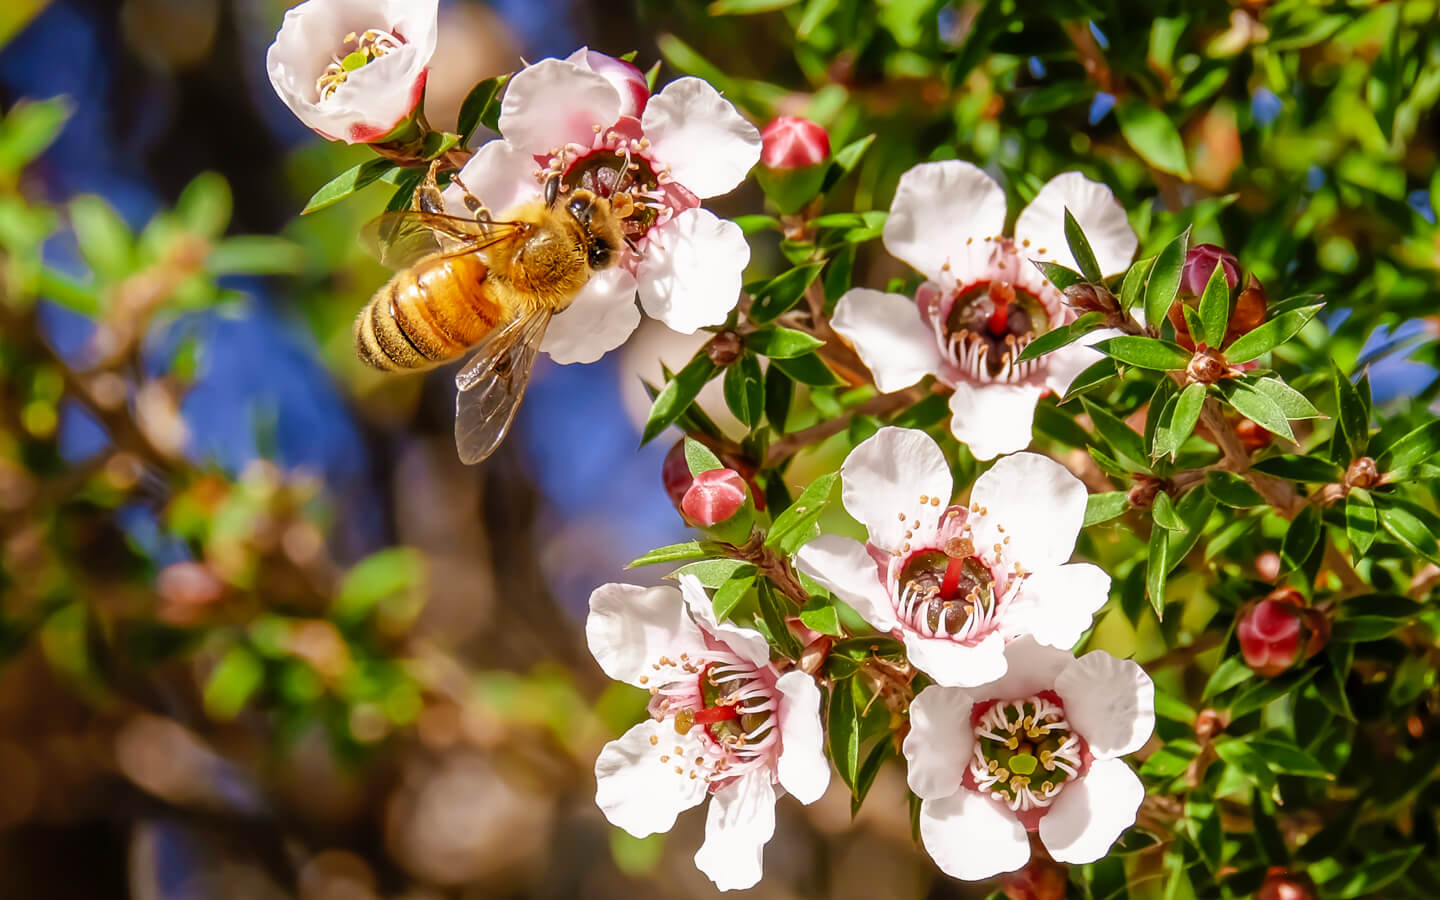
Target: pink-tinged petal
{"type": "Point", "coordinates": [957, 665]}
{"type": "Point", "coordinates": [939, 210]}
{"type": "Point", "coordinates": [1091, 814]}
{"type": "Point", "coordinates": [887, 332]}
{"type": "Point", "coordinates": [1033, 507]}
{"type": "Point", "coordinates": [846, 569]}
{"type": "Point", "coordinates": [992, 419]}
{"type": "Point", "coordinates": [1030, 667]}
{"type": "Point", "coordinates": [1094, 207]}
{"type": "Point", "coordinates": [1063, 366]}
{"type": "Point", "coordinates": [597, 321]}
{"type": "Point", "coordinates": [700, 137]}
{"type": "Point", "coordinates": [745, 642]}
{"type": "Point", "coordinates": [553, 103]}
{"type": "Point", "coordinates": [690, 271]}
{"type": "Point", "coordinates": [1109, 701]}
{"type": "Point", "coordinates": [500, 175]}
{"type": "Point", "coordinates": [940, 741]}
{"type": "Point", "coordinates": [802, 769]}
{"type": "Point", "coordinates": [639, 792]}
{"type": "Point", "coordinates": [896, 481]}
{"type": "Point", "coordinates": [625, 77]}
{"type": "Point", "coordinates": [738, 825]}
{"type": "Point", "coordinates": [713, 497]}
{"type": "Point", "coordinates": [1056, 605]}
{"type": "Point", "coordinates": [629, 628]}
{"type": "Point", "coordinates": [972, 837]}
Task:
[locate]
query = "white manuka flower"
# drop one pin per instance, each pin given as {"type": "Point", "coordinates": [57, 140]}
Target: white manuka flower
{"type": "Point", "coordinates": [590, 120]}
{"type": "Point", "coordinates": [983, 300]}
{"type": "Point", "coordinates": [1036, 750]}
{"type": "Point", "coordinates": [957, 583]}
{"type": "Point", "coordinates": [353, 70]}
{"type": "Point", "coordinates": [726, 724]}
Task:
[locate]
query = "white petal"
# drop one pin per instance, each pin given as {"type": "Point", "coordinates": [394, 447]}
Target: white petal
{"type": "Point", "coordinates": [938, 208]}
{"type": "Point", "coordinates": [1111, 703]}
{"type": "Point", "coordinates": [500, 175]}
{"type": "Point", "coordinates": [597, 321]}
{"type": "Point", "coordinates": [1090, 814]}
{"type": "Point", "coordinates": [1039, 505]}
{"type": "Point", "coordinates": [690, 270]}
{"type": "Point", "coordinates": [1057, 604]}
{"type": "Point", "coordinates": [1094, 207]}
{"type": "Point", "coordinates": [802, 769]}
{"type": "Point", "coordinates": [636, 790]}
{"type": "Point", "coordinates": [630, 627]}
{"type": "Point", "coordinates": [972, 837]}
{"type": "Point", "coordinates": [847, 570]}
{"type": "Point", "coordinates": [1030, 667]}
{"type": "Point", "coordinates": [884, 479]}
{"type": "Point", "coordinates": [941, 739]}
{"type": "Point", "coordinates": [746, 642]}
{"type": "Point", "coordinates": [957, 665]}
{"type": "Point", "coordinates": [553, 103]}
{"type": "Point", "coordinates": [1064, 365]}
{"type": "Point", "coordinates": [993, 418]}
{"type": "Point", "coordinates": [887, 332]}
{"type": "Point", "coordinates": [738, 825]}
{"type": "Point", "coordinates": [698, 134]}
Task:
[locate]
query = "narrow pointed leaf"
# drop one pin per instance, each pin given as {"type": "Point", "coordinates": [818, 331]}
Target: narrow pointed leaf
{"type": "Point", "coordinates": [1164, 280]}
{"type": "Point", "coordinates": [1215, 307]}
{"type": "Point", "coordinates": [1271, 334]}
{"type": "Point", "coordinates": [1080, 249]}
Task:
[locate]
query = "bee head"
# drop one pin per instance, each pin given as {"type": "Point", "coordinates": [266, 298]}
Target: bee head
{"type": "Point", "coordinates": [597, 221]}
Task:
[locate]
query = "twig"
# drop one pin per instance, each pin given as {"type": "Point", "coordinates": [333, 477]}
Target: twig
{"type": "Point", "coordinates": [875, 406]}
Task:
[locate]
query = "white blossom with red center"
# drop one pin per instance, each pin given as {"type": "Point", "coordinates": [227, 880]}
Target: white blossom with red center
{"type": "Point", "coordinates": [1036, 750]}
{"type": "Point", "coordinates": [983, 301]}
{"type": "Point", "coordinates": [726, 724]}
{"type": "Point", "coordinates": [353, 70]}
{"type": "Point", "coordinates": [590, 120]}
{"type": "Point", "coordinates": [957, 583]}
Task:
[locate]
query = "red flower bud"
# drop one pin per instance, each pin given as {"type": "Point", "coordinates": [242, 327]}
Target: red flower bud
{"type": "Point", "coordinates": [1282, 885]}
{"type": "Point", "coordinates": [714, 497]}
{"type": "Point", "coordinates": [1200, 263]}
{"type": "Point", "coordinates": [789, 142]}
{"type": "Point", "coordinates": [1278, 631]}
{"type": "Point", "coordinates": [627, 79]}
{"type": "Point", "coordinates": [675, 474]}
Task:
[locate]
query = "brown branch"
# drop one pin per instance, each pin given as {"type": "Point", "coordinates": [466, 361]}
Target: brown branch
{"type": "Point", "coordinates": [875, 406]}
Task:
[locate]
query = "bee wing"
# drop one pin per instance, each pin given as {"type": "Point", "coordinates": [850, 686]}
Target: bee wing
{"type": "Point", "coordinates": [401, 238]}
{"type": "Point", "coordinates": [492, 382]}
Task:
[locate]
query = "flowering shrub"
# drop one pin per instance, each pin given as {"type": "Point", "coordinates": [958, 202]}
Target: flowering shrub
{"type": "Point", "coordinates": [1049, 471]}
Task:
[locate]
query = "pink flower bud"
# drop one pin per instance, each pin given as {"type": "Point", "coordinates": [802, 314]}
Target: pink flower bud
{"type": "Point", "coordinates": [715, 496]}
{"type": "Point", "coordinates": [789, 142]}
{"type": "Point", "coordinates": [1270, 636]}
{"type": "Point", "coordinates": [1200, 263]}
{"type": "Point", "coordinates": [628, 80]}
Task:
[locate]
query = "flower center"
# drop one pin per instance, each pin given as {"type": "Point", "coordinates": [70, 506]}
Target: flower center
{"type": "Point", "coordinates": [947, 592]}
{"type": "Point", "coordinates": [988, 326]}
{"type": "Point", "coordinates": [358, 51]}
{"type": "Point", "coordinates": [606, 173]}
{"type": "Point", "coordinates": [735, 704]}
{"type": "Point", "coordinates": [1025, 751]}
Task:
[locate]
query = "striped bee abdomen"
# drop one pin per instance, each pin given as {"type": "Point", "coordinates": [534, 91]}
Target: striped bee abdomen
{"type": "Point", "coordinates": [427, 314]}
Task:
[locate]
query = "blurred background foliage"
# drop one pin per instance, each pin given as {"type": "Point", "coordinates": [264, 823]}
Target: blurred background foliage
{"type": "Point", "coordinates": [265, 637]}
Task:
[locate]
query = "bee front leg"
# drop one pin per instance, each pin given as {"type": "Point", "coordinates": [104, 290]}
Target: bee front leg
{"type": "Point", "coordinates": [472, 203]}
{"type": "Point", "coordinates": [427, 197]}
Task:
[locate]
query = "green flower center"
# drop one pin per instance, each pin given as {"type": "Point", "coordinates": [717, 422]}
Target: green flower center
{"type": "Point", "coordinates": [1025, 751]}
{"type": "Point", "coordinates": [357, 51]}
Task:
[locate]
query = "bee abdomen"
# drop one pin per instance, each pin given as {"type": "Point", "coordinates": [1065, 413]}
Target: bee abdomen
{"type": "Point", "coordinates": [426, 315]}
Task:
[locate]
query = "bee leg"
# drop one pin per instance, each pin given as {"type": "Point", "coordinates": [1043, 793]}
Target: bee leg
{"type": "Point", "coordinates": [472, 203]}
{"type": "Point", "coordinates": [427, 196]}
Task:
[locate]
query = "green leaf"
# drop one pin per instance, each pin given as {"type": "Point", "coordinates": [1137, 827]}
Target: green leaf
{"type": "Point", "coordinates": [1215, 308]}
{"type": "Point", "coordinates": [1121, 437]}
{"type": "Point", "coordinates": [843, 725]}
{"type": "Point", "coordinates": [1361, 520]}
{"type": "Point", "coordinates": [1293, 403]}
{"type": "Point", "coordinates": [1157, 568]}
{"type": "Point", "coordinates": [847, 157]}
{"type": "Point", "coordinates": [1378, 870]}
{"type": "Point", "coordinates": [822, 616]}
{"type": "Point", "coordinates": [669, 553]}
{"type": "Point", "coordinates": [774, 610]}
{"type": "Point", "coordinates": [1063, 336]}
{"type": "Point", "coordinates": [28, 128]}
{"type": "Point", "coordinates": [794, 527]}
{"type": "Point", "coordinates": [1267, 690]}
{"type": "Point", "coordinates": [756, 223]}
{"type": "Point", "coordinates": [1299, 468]}
{"type": "Point", "coordinates": [1354, 419]}
{"type": "Point", "coordinates": [70, 294]}
{"type": "Point", "coordinates": [1153, 136]}
{"type": "Point", "coordinates": [779, 392]}
{"type": "Point", "coordinates": [711, 573]}
{"type": "Point", "coordinates": [1287, 759]}
{"type": "Point", "coordinates": [477, 103]}
{"type": "Point", "coordinates": [1231, 671]}
{"type": "Point", "coordinates": [1164, 280]}
{"type": "Point", "coordinates": [865, 778]}
{"type": "Point", "coordinates": [1178, 420]}
{"type": "Point", "coordinates": [1410, 529]}
{"type": "Point", "coordinates": [1104, 507]}
{"type": "Point", "coordinates": [1132, 289]}
{"type": "Point", "coordinates": [1418, 446]}
{"type": "Point", "coordinates": [205, 204]}
{"type": "Point", "coordinates": [679, 392]}
{"type": "Point", "coordinates": [1163, 511]}
{"type": "Point", "coordinates": [1080, 249]}
{"type": "Point", "coordinates": [347, 183]}
{"type": "Point", "coordinates": [782, 343]}
{"type": "Point", "coordinates": [103, 238]}
{"type": "Point", "coordinates": [733, 590]}
{"type": "Point", "coordinates": [1269, 335]}
{"type": "Point", "coordinates": [745, 390]}
{"type": "Point", "coordinates": [1232, 490]}
{"type": "Point", "coordinates": [781, 293]}
{"type": "Point", "coordinates": [387, 575]}
{"type": "Point", "coordinates": [1301, 538]}
{"type": "Point", "coordinates": [700, 458]}
{"type": "Point", "coordinates": [234, 679]}
{"type": "Point", "coordinates": [807, 369]}
{"type": "Point", "coordinates": [1238, 753]}
{"type": "Point", "coordinates": [256, 254]}
{"type": "Point", "coordinates": [1057, 274]}
{"type": "Point", "coordinates": [1258, 408]}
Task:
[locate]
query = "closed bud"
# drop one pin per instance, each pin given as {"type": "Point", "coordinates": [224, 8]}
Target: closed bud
{"type": "Point", "coordinates": [724, 348]}
{"type": "Point", "coordinates": [1362, 473]}
{"type": "Point", "coordinates": [790, 142]}
{"type": "Point", "coordinates": [675, 474]}
{"type": "Point", "coordinates": [1253, 436]}
{"type": "Point", "coordinates": [1090, 298]}
{"type": "Point", "coordinates": [1208, 724]}
{"type": "Point", "coordinates": [1041, 879]}
{"type": "Point", "coordinates": [1281, 884]}
{"type": "Point", "coordinates": [1207, 366]}
{"type": "Point", "coordinates": [1249, 311]}
{"type": "Point", "coordinates": [1200, 262]}
{"type": "Point", "coordinates": [1278, 631]}
{"type": "Point", "coordinates": [714, 497]}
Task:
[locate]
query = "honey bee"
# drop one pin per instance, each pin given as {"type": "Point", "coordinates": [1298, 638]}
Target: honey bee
{"type": "Point", "coordinates": [483, 283]}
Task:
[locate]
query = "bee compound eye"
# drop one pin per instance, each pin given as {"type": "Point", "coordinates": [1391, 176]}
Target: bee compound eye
{"type": "Point", "coordinates": [599, 256]}
{"type": "Point", "coordinates": [580, 209]}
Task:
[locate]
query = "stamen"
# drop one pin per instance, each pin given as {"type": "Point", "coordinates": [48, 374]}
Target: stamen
{"type": "Point", "coordinates": [369, 46]}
